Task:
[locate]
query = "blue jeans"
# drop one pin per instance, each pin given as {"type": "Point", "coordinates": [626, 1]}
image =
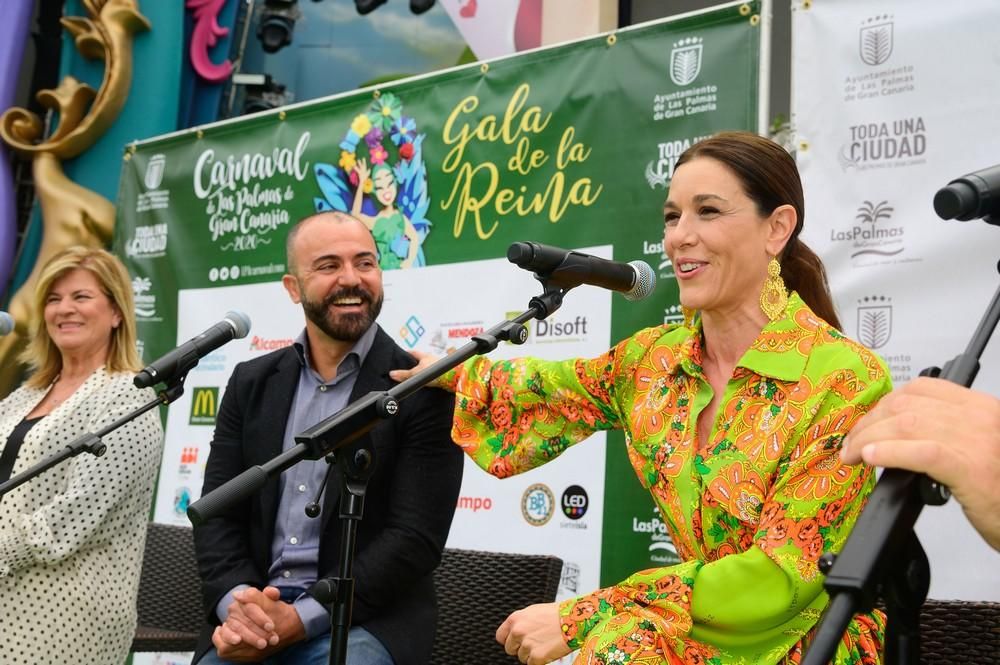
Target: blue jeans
{"type": "Point", "coordinates": [362, 649]}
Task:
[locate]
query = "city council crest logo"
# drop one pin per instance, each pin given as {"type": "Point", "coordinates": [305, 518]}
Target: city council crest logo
{"type": "Point", "coordinates": [685, 60]}
{"type": "Point", "coordinates": [154, 172]}
{"type": "Point", "coordinates": [875, 40]}
{"type": "Point", "coordinates": [874, 321]}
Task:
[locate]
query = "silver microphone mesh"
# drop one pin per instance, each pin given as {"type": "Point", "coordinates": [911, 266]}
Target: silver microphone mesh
{"type": "Point", "coordinates": [6, 323]}
{"type": "Point", "coordinates": [645, 281]}
{"type": "Point", "coordinates": [240, 323]}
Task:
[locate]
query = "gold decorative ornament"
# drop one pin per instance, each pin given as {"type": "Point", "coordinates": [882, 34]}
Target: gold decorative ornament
{"type": "Point", "coordinates": [774, 296]}
{"type": "Point", "coordinates": [688, 316]}
{"type": "Point", "coordinates": [71, 214]}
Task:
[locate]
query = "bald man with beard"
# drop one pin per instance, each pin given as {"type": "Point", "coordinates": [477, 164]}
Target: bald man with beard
{"type": "Point", "coordinates": [260, 560]}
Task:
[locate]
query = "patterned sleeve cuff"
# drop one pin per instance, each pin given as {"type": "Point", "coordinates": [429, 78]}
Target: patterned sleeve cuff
{"type": "Point", "coordinates": [15, 553]}
{"type": "Point", "coordinates": [447, 381]}
{"type": "Point", "coordinates": [579, 615]}
{"type": "Point", "coordinates": [5, 569]}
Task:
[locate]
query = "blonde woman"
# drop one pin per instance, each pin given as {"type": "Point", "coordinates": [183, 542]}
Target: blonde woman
{"type": "Point", "coordinates": [71, 539]}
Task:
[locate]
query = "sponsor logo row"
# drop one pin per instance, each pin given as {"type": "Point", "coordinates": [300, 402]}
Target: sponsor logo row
{"type": "Point", "coordinates": [538, 504]}
{"type": "Point", "coordinates": [447, 337]}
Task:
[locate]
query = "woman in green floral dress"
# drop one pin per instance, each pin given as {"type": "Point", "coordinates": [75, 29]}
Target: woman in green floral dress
{"type": "Point", "coordinates": [733, 421]}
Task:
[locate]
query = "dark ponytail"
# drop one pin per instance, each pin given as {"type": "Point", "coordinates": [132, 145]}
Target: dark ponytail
{"type": "Point", "coordinates": [803, 272]}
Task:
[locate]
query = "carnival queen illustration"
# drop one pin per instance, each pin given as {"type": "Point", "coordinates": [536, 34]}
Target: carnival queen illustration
{"type": "Point", "coordinates": [391, 199]}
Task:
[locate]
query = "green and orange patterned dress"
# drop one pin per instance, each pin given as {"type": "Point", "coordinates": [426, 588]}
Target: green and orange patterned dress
{"type": "Point", "coordinates": [749, 517]}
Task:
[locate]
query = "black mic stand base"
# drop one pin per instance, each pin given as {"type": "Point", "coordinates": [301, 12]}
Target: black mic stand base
{"type": "Point", "coordinates": [357, 464]}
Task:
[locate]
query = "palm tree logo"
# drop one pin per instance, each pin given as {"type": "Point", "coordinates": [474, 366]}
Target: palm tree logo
{"type": "Point", "coordinates": [145, 306]}
{"type": "Point", "coordinates": [140, 285]}
{"type": "Point", "coordinates": [871, 213]}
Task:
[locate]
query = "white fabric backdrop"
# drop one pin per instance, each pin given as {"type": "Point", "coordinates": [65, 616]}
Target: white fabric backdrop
{"type": "Point", "coordinates": [890, 101]}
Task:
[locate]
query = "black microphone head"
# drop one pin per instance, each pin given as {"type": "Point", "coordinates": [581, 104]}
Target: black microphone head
{"type": "Point", "coordinates": [957, 199]}
{"type": "Point", "coordinates": [312, 510]}
{"type": "Point", "coordinates": [645, 281]}
{"type": "Point", "coordinates": [974, 195]}
{"type": "Point", "coordinates": [520, 253]}
{"type": "Point", "coordinates": [143, 379]}
{"type": "Point", "coordinates": [240, 323]}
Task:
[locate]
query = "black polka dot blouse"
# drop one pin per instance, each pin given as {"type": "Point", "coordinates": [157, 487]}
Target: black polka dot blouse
{"type": "Point", "coordinates": [71, 540]}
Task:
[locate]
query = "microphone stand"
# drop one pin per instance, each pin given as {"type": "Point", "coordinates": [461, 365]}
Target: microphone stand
{"type": "Point", "coordinates": [348, 425]}
{"type": "Point", "coordinates": [91, 442]}
{"type": "Point", "coordinates": [882, 556]}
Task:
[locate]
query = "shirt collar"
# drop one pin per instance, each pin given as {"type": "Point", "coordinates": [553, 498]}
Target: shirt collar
{"type": "Point", "coordinates": [782, 347]}
{"type": "Point", "coordinates": [359, 350]}
{"type": "Point", "coordinates": [779, 352]}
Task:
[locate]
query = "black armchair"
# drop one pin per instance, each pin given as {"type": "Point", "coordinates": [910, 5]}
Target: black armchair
{"type": "Point", "coordinates": [476, 591]}
{"type": "Point", "coordinates": [959, 632]}
{"type": "Point", "coordinates": [169, 605]}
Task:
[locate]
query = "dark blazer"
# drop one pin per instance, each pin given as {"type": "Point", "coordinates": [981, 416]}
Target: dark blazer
{"type": "Point", "coordinates": [409, 505]}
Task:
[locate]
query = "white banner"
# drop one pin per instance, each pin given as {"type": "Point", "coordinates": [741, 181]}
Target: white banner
{"type": "Point", "coordinates": [542, 511]}
{"type": "Point", "coordinates": [490, 26]}
{"type": "Point", "coordinates": [891, 100]}
{"type": "Point", "coordinates": [555, 509]}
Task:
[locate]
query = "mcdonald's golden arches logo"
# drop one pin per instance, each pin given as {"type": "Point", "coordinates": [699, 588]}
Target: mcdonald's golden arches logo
{"type": "Point", "coordinates": [204, 405]}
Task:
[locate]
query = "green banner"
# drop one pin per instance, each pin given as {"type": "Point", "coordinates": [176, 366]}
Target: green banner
{"type": "Point", "coordinates": [572, 146]}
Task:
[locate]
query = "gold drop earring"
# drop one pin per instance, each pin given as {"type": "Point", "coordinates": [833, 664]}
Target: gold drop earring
{"type": "Point", "coordinates": [774, 297]}
{"type": "Point", "coordinates": [688, 316]}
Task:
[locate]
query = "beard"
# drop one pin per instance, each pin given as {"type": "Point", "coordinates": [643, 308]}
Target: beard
{"type": "Point", "coordinates": [344, 327]}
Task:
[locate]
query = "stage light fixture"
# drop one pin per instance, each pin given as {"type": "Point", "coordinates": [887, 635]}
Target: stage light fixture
{"type": "Point", "coordinates": [277, 22]}
{"type": "Point", "coordinates": [263, 93]}
{"type": "Point", "coordinates": [367, 6]}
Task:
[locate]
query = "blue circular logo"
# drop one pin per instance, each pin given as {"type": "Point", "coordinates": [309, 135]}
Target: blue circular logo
{"type": "Point", "coordinates": [537, 504]}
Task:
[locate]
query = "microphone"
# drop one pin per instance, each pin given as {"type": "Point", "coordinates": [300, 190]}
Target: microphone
{"type": "Point", "coordinates": [974, 195]}
{"type": "Point", "coordinates": [175, 363]}
{"type": "Point", "coordinates": [6, 324]}
{"type": "Point", "coordinates": [567, 269]}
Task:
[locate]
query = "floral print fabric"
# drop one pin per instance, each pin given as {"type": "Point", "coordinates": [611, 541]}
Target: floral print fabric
{"type": "Point", "coordinates": [750, 514]}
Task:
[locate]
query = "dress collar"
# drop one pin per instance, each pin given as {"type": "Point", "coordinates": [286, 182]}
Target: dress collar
{"type": "Point", "coordinates": [780, 350]}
